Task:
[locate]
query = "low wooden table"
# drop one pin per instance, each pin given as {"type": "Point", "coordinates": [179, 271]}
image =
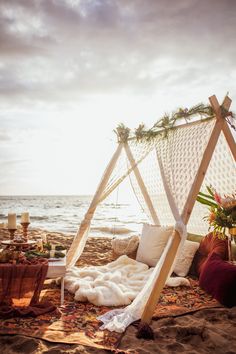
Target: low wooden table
{"type": "Point", "coordinates": [57, 269]}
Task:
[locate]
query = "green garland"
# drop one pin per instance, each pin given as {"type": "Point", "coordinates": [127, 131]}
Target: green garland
{"type": "Point", "coordinates": [168, 122]}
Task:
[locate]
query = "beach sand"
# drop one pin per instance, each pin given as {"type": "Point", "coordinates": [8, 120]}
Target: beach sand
{"type": "Point", "coordinates": [205, 331]}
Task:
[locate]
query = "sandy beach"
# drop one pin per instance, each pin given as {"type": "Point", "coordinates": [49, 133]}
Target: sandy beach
{"type": "Point", "coordinates": [205, 331]}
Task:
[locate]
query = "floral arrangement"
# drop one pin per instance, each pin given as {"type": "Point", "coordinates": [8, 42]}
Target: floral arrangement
{"type": "Point", "coordinates": [222, 214]}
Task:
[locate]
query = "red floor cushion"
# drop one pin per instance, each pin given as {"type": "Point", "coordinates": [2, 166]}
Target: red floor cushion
{"type": "Point", "coordinates": [218, 278]}
{"type": "Point", "coordinates": [210, 243]}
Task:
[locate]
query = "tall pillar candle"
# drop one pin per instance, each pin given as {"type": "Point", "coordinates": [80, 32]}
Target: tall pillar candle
{"type": "Point", "coordinates": [25, 217]}
{"type": "Point", "coordinates": [12, 221]}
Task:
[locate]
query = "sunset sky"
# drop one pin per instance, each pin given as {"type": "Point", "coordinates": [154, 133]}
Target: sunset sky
{"type": "Point", "coordinates": [71, 70]}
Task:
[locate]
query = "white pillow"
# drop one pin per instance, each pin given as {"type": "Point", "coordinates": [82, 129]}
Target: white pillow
{"type": "Point", "coordinates": [185, 258]}
{"type": "Point", "coordinates": [152, 243]}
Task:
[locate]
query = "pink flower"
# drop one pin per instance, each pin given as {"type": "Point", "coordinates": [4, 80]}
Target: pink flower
{"type": "Point", "coordinates": [217, 198]}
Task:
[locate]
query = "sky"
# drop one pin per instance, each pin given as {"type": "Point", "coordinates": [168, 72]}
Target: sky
{"type": "Point", "coordinates": [72, 70]}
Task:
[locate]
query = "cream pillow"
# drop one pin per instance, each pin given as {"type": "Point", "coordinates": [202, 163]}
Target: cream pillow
{"type": "Point", "coordinates": [185, 258]}
{"type": "Point", "coordinates": [152, 243]}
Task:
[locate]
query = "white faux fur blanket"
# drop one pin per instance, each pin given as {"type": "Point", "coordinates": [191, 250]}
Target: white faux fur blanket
{"type": "Point", "coordinates": [115, 284]}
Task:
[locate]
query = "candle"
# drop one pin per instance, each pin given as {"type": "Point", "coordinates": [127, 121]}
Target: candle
{"type": "Point", "coordinates": [25, 217]}
{"type": "Point", "coordinates": [44, 238]}
{"type": "Point", "coordinates": [52, 253]}
{"type": "Point", "coordinates": [40, 244]}
{"type": "Point", "coordinates": [12, 221]}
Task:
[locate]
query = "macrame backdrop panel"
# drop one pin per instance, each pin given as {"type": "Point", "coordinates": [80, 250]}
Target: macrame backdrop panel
{"type": "Point", "coordinates": [221, 174]}
{"type": "Point", "coordinates": [180, 155]}
{"type": "Point", "coordinates": [150, 172]}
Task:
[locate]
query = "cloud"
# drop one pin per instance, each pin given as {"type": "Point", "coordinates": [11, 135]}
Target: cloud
{"type": "Point", "coordinates": [63, 50]}
{"type": "Point", "coordinates": [4, 137]}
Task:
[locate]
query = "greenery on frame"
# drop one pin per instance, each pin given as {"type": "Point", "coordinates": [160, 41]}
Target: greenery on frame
{"type": "Point", "coordinates": [168, 122]}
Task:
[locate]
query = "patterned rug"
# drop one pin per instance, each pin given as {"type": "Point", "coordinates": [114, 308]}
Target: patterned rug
{"type": "Point", "coordinates": [76, 322]}
{"type": "Point", "coordinates": [72, 323]}
{"type": "Point", "coordinates": [183, 300]}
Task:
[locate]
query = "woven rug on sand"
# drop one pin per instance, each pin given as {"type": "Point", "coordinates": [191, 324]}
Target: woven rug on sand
{"type": "Point", "coordinates": [72, 323]}
{"type": "Point", "coordinates": [76, 322]}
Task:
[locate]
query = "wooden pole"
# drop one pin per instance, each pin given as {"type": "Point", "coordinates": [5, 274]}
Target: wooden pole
{"type": "Point", "coordinates": [161, 280]}
{"type": "Point", "coordinates": [166, 267]}
{"type": "Point", "coordinates": [141, 185]}
{"type": "Point", "coordinates": [93, 205]}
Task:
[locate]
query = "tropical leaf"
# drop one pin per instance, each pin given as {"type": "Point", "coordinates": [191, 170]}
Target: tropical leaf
{"type": "Point", "coordinates": [210, 190]}
{"type": "Point", "coordinates": [206, 201]}
{"type": "Point", "coordinates": [207, 196]}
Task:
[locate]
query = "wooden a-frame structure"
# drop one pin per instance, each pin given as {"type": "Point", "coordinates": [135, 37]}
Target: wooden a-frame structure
{"type": "Point", "coordinates": [221, 125]}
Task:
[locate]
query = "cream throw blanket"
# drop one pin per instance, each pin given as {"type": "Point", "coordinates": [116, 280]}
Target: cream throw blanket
{"type": "Point", "coordinates": [115, 284]}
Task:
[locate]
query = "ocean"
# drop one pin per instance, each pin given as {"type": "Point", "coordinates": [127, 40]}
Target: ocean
{"type": "Point", "coordinates": [64, 214]}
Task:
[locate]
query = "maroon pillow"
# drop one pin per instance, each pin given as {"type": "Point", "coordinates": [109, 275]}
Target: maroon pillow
{"type": "Point", "coordinates": [210, 243]}
{"type": "Point", "coordinates": [218, 278]}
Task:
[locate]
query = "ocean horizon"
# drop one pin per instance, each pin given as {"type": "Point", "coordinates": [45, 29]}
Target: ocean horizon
{"type": "Point", "coordinates": [64, 213]}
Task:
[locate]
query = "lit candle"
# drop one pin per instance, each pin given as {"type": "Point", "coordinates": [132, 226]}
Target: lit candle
{"type": "Point", "coordinates": [12, 221]}
{"type": "Point", "coordinates": [25, 217]}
